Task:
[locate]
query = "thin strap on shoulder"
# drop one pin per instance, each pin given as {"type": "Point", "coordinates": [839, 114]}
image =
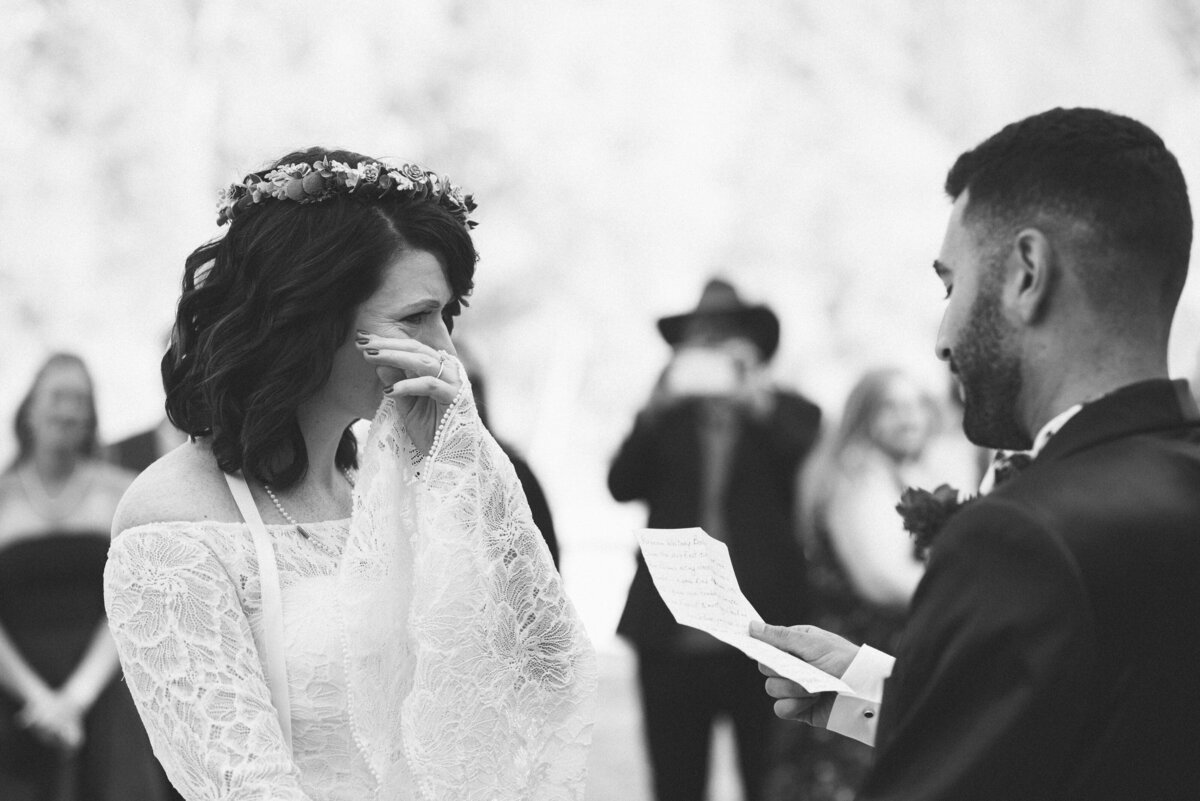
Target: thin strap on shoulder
{"type": "Point", "coordinates": [272, 603]}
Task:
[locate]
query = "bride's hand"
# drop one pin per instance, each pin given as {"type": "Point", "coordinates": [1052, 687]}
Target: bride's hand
{"type": "Point", "coordinates": [421, 380]}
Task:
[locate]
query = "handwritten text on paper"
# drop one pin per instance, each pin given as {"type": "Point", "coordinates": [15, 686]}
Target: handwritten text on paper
{"type": "Point", "coordinates": [695, 578]}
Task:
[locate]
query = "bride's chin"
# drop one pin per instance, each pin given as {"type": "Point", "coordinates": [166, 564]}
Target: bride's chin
{"type": "Point", "coordinates": [374, 408]}
{"type": "Point", "coordinates": [368, 408]}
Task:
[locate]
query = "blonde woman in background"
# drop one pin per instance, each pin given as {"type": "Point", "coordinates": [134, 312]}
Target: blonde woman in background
{"type": "Point", "coordinates": [863, 567]}
{"type": "Point", "coordinates": [889, 438]}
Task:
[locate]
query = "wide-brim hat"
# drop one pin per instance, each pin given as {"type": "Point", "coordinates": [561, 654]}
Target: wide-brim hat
{"type": "Point", "coordinates": [720, 305]}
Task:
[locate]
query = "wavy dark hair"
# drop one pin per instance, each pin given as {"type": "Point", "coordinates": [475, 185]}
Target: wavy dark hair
{"type": "Point", "coordinates": [265, 307]}
{"type": "Point", "coordinates": [24, 431]}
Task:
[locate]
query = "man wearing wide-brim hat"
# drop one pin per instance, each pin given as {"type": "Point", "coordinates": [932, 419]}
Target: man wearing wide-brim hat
{"type": "Point", "coordinates": [717, 446]}
{"type": "Point", "coordinates": [722, 312]}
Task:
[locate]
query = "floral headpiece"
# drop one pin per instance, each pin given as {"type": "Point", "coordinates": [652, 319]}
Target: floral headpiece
{"type": "Point", "coordinates": [321, 180]}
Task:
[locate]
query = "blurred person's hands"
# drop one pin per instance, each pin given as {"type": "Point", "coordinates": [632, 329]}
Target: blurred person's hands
{"type": "Point", "coordinates": [756, 392]}
{"type": "Point", "coordinates": [753, 390]}
{"type": "Point", "coordinates": [726, 374]}
{"type": "Point", "coordinates": [55, 719]}
{"type": "Point", "coordinates": [820, 648]}
{"type": "Point", "coordinates": [666, 393]}
{"type": "Point", "coordinates": [663, 396]}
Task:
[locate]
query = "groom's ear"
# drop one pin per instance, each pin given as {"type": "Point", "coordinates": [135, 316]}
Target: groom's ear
{"type": "Point", "coordinates": [1032, 273]}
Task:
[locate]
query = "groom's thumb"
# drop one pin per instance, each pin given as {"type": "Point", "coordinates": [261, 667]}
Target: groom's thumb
{"type": "Point", "coordinates": [795, 640]}
{"type": "Point", "coordinates": [773, 635]}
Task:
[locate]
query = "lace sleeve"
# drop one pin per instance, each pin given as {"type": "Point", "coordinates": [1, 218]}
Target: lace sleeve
{"type": "Point", "coordinates": [193, 669]}
{"type": "Point", "coordinates": [495, 677]}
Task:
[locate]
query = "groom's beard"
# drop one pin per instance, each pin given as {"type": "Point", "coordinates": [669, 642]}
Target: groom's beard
{"type": "Point", "coordinates": [989, 369]}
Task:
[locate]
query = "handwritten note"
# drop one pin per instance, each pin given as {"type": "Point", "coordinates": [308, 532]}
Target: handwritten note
{"type": "Point", "coordinates": [695, 578]}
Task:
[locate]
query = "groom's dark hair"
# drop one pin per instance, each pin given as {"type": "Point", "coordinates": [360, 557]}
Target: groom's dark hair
{"type": "Point", "coordinates": [1105, 182]}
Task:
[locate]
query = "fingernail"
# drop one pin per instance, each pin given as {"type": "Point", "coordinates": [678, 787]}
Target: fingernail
{"type": "Point", "coordinates": [388, 391]}
{"type": "Point", "coordinates": [372, 351]}
{"type": "Point", "coordinates": [362, 340]}
{"type": "Point", "coordinates": [362, 333]}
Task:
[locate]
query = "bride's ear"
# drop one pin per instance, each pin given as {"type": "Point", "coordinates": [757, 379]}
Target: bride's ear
{"type": "Point", "coordinates": [1031, 271]}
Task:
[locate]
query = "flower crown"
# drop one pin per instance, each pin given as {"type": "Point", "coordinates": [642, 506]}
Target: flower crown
{"type": "Point", "coordinates": [323, 179]}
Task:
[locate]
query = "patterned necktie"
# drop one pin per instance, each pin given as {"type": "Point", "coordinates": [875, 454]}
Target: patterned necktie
{"type": "Point", "coordinates": [1006, 465]}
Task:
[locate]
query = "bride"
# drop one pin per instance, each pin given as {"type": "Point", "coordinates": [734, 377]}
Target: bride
{"type": "Point", "coordinates": [301, 616]}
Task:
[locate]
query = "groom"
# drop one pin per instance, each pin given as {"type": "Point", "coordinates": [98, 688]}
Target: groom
{"type": "Point", "coordinates": [1053, 647]}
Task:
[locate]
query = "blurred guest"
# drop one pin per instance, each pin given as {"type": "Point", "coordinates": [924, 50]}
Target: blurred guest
{"type": "Point", "coordinates": [139, 451]}
{"type": "Point", "coordinates": [717, 446]}
{"type": "Point", "coordinates": [539, 507]}
{"type": "Point", "coordinates": [862, 564]}
{"type": "Point", "coordinates": [68, 727]}
{"type": "Point", "coordinates": [854, 533]}
{"type": "Point", "coordinates": [958, 461]}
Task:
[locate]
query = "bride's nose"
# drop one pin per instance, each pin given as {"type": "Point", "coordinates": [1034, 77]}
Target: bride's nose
{"type": "Point", "coordinates": [437, 335]}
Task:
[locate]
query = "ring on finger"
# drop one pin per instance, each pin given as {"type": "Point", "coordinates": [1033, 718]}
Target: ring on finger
{"type": "Point", "coordinates": [441, 366]}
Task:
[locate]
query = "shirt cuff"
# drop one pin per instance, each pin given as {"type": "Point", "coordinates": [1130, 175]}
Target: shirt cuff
{"type": "Point", "coordinates": [856, 714]}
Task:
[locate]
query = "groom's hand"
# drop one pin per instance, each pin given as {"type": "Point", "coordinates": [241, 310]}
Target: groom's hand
{"type": "Point", "coordinates": [817, 647]}
{"type": "Point", "coordinates": [820, 648]}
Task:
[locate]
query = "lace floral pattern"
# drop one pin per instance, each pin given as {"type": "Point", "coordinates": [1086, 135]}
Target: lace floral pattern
{"type": "Point", "coordinates": [495, 700]}
{"type": "Point", "coordinates": [437, 659]}
{"type": "Point", "coordinates": [184, 605]}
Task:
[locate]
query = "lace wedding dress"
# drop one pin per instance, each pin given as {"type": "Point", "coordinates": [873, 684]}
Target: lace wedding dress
{"type": "Point", "coordinates": [430, 651]}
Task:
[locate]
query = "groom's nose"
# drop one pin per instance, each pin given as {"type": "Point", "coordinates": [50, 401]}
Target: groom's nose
{"type": "Point", "coordinates": [941, 345]}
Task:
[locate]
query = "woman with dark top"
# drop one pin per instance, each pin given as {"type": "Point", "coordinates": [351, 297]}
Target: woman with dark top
{"type": "Point", "coordinates": [68, 728]}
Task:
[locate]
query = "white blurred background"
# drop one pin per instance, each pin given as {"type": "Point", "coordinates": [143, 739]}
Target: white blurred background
{"type": "Point", "coordinates": [621, 151]}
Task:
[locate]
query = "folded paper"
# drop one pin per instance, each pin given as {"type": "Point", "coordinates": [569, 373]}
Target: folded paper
{"type": "Point", "coordinates": [695, 578]}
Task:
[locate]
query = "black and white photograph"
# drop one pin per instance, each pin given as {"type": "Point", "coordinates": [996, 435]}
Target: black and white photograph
{"type": "Point", "coordinates": [612, 401]}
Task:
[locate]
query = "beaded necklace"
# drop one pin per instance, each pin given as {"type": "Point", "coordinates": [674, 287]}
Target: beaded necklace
{"type": "Point", "coordinates": [284, 513]}
{"type": "Point", "coordinates": [439, 433]}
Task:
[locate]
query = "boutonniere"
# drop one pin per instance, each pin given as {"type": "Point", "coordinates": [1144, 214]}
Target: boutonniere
{"type": "Point", "coordinates": [925, 513]}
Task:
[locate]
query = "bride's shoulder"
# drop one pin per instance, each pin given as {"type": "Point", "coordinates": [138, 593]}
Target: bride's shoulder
{"type": "Point", "coordinates": [185, 486]}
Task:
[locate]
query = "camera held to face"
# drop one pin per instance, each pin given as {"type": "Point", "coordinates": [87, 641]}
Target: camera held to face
{"type": "Point", "coordinates": [714, 371]}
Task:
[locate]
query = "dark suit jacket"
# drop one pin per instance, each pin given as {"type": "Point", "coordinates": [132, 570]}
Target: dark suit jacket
{"type": "Point", "coordinates": [661, 462]}
{"type": "Point", "coordinates": [1053, 648]}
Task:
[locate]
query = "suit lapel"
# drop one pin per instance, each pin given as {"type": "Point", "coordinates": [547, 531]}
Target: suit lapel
{"type": "Point", "coordinates": [1147, 406]}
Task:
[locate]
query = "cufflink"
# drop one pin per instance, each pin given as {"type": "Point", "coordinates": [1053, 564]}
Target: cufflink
{"type": "Point", "coordinates": [869, 713]}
